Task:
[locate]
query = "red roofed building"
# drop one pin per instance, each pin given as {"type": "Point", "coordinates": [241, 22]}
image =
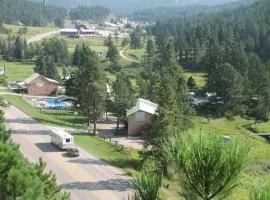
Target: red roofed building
{"type": "Point", "coordinates": [40, 85]}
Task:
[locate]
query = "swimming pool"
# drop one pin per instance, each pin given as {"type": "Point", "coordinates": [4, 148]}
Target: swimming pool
{"type": "Point", "coordinates": [54, 103]}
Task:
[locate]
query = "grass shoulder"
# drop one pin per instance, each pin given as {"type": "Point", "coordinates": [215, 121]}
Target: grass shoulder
{"type": "Point", "coordinates": [61, 118]}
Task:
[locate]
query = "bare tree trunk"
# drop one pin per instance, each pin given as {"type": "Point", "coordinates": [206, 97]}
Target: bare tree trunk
{"type": "Point", "coordinates": [95, 127]}
{"type": "Point", "coordinates": [117, 126]}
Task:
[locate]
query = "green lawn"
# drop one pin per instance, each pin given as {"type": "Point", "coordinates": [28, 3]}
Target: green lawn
{"type": "Point", "coordinates": [106, 151]}
{"type": "Point", "coordinates": [62, 118]}
{"type": "Point", "coordinates": [263, 127]}
{"type": "Point", "coordinates": [135, 54]}
{"type": "Point", "coordinates": [199, 77]}
{"type": "Point", "coordinates": [32, 31]}
{"type": "Point", "coordinates": [17, 70]}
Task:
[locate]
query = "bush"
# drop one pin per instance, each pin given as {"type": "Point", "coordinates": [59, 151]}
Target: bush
{"type": "Point", "coordinates": [258, 193]}
{"type": "Point", "coordinates": [205, 166]}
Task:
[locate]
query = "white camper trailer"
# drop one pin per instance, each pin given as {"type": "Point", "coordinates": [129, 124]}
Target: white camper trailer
{"type": "Point", "coordinates": [62, 139]}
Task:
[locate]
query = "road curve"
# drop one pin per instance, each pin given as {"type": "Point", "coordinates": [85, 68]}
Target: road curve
{"type": "Point", "coordinates": [85, 177]}
{"type": "Point", "coordinates": [126, 58]}
{"type": "Point", "coordinates": [39, 37]}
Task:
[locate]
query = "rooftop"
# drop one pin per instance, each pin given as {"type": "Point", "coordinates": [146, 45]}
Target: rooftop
{"type": "Point", "coordinates": [143, 105]}
{"type": "Point", "coordinates": [36, 75]}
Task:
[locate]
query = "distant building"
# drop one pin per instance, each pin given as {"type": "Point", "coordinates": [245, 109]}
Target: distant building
{"type": "Point", "coordinates": [39, 85]}
{"type": "Point", "coordinates": [140, 115]}
{"type": "Point", "coordinates": [71, 32]}
{"type": "Point", "coordinates": [88, 32]}
{"type": "Point", "coordinates": [109, 24]}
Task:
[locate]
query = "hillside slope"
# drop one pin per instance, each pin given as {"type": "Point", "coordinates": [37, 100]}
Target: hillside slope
{"type": "Point", "coordinates": [31, 14]}
{"type": "Point", "coordinates": [131, 5]}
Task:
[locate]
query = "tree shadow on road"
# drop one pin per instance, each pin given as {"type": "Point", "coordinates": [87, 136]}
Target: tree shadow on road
{"type": "Point", "coordinates": [88, 161]}
{"type": "Point", "coordinates": [47, 147]}
{"type": "Point", "coordinates": [112, 184]}
{"type": "Point", "coordinates": [21, 121]}
{"type": "Point", "coordinates": [34, 132]}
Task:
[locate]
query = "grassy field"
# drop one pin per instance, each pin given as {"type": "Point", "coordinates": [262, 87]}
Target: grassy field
{"type": "Point", "coordinates": [106, 151]}
{"type": "Point", "coordinates": [135, 54]}
{"type": "Point", "coordinates": [62, 118]}
{"type": "Point", "coordinates": [18, 70]}
{"type": "Point", "coordinates": [32, 31]}
{"type": "Point", "coordinates": [256, 171]}
{"type": "Point", "coordinates": [199, 77]}
{"type": "Point", "coordinates": [263, 127]}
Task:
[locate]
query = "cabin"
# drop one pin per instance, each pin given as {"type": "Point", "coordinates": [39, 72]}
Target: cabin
{"type": "Point", "coordinates": [39, 85]}
{"type": "Point", "coordinates": [140, 115]}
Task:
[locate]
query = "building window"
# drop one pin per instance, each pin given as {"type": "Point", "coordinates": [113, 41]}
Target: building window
{"type": "Point", "coordinates": [140, 116]}
{"type": "Point", "coordinates": [67, 140]}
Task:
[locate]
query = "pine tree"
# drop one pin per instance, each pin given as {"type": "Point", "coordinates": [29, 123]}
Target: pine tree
{"type": "Point", "coordinates": [76, 56]}
{"type": "Point", "coordinates": [113, 54]}
{"type": "Point", "coordinates": [174, 113]}
{"type": "Point", "coordinates": [227, 82]}
{"type": "Point", "coordinates": [40, 66]}
{"type": "Point", "coordinates": [18, 49]}
{"type": "Point", "coordinates": [191, 83]}
{"type": "Point", "coordinates": [92, 86]}
{"type": "Point", "coordinates": [123, 97]}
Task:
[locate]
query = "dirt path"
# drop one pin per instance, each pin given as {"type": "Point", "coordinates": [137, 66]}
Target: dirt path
{"type": "Point", "coordinates": [126, 58]}
{"type": "Point", "coordinates": [39, 37]}
{"type": "Point", "coordinates": [86, 177]}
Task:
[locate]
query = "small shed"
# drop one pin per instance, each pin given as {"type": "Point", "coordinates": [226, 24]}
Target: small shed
{"type": "Point", "coordinates": [140, 115]}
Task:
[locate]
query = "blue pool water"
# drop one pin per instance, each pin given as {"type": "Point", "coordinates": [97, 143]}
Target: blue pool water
{"type": "Point", "coordinates": [54, 103]}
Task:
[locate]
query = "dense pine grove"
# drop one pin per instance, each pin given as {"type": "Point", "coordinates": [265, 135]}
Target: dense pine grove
{"type": "Point", "coordinates": [96, 13]}
{"type": "Point", "coordinates": [165, 13]}
{"type": "Point", "coordinates": [245, 28]}
{"type": "Point", "coordinates": [28, 13]}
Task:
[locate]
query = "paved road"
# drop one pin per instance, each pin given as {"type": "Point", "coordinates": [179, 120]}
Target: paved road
{"type": "Point", "coordinates": [86, 177]}
{"type": "Point", "coordinates": [38, 37]}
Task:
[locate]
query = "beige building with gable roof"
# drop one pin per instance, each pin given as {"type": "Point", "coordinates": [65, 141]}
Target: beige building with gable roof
{"type": "Point", "coordinates": [140, 115]}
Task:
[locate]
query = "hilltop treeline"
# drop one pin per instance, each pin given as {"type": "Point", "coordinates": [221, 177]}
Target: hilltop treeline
{"type": "Point", "coordinates": [20, 179]}
{"type": "Point", "coordinates": [165, 13]}
{"type": "Point", "coordinates": [96, 13]}
{"type": "Point", "coordinates": [30, 14]}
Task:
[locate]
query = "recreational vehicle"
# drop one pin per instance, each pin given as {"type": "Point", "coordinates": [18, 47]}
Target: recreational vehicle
{"type": "Point", "coordinates": [62, 139]}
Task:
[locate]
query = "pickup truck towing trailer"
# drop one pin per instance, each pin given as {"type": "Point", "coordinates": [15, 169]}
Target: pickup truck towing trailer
{"type": "Point", "coordinates": [62, 139]}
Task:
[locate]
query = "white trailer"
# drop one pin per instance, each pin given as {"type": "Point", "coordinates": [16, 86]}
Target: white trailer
{"type": "Point", "coordinates": [62, 139]}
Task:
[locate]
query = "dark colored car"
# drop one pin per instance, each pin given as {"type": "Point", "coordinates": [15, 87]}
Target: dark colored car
{"type": "Point", "coordinates": [73, 151]}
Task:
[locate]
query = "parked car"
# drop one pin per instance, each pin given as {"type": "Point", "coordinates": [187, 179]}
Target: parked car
{"type": "Point", "coordinates": [73, 151]}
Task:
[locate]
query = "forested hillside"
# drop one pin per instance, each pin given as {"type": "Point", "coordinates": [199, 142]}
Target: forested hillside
{"type": "Point", "coordinates": [246, 28]}
{"type": "Point", "coordinates": [125, 6]}
{"type": "Point", "coordinates": [96, 13]}
{"type": "Point", "coordinates": [233, 48]}
{"type": "Point", "coordinates": [165, 13]}
{"type": "Point", "coordinates": [28, 13]}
